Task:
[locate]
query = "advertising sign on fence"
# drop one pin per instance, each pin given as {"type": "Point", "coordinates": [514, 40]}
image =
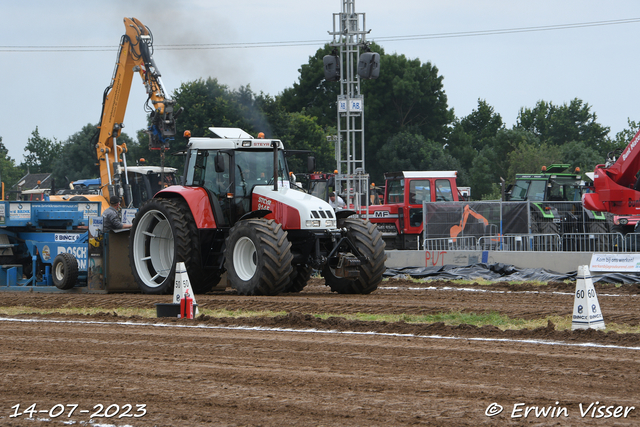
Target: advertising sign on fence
{"type": "Point", "coordinates": [615, 262]}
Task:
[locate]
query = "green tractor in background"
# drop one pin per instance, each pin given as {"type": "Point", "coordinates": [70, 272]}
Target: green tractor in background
{"type": "Point", "coordinates": [556, 208]}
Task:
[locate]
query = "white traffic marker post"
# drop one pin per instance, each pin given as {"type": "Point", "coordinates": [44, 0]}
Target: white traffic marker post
{"type": "Point", "coordinates": [182, 286]}
{"type": "Point", "coordinates": [586, 309]}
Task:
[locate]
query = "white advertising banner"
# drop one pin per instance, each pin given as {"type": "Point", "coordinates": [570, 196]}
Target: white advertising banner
{"type": "Point", "coordinates": [629, 263]}
{"type": "Point", "coordinates": [128, 215]}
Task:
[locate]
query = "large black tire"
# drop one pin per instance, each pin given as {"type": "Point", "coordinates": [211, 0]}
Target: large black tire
{"type": "Point", "coordinates": [164, 233]}
{"type": "Point", "coordinates": [258, 257]}
{"type": "Point", "coordinates": [368, 240]}
{"type": "Point", "coordinates": [541, 225]}
{"type": "Point", "coordinates": [65, 271]}
{"type": "Point", "coordinates": [299, 278]}
{"type": "Point", "coordinates": [619, 238]}
{"type": "Point", "coordinates": [604, 242]}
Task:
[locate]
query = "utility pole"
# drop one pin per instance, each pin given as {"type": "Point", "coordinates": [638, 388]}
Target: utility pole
{"type": "Point", "coordinates": [348, 66]}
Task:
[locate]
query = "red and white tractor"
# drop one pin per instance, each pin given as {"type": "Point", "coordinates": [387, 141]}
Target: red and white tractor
{"type": "Point", "coordinates": [238, 212]}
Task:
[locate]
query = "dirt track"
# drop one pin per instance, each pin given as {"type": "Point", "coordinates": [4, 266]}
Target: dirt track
{"type": "Point", "coordinates": [298, 370]}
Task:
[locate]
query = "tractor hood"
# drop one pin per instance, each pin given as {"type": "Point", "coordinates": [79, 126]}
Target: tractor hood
{"type": "Point", "coordinates": [294, 209]}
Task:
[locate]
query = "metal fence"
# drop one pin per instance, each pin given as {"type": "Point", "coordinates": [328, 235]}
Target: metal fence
{"type": "Point", "coordinates": [521, 226]}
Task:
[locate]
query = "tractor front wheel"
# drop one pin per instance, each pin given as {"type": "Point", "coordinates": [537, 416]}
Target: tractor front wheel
{"type": "Point", "coordinates": [368, 240]}
{"type": "Point", "coordinates": [258, 257]}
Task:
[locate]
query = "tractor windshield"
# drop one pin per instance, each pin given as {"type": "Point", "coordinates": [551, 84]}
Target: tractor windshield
{"type": "Point", "coordinates": [395, 191]}
{"type": "Point", "coordinates": [319, 189]}
{"type": "Point", "coordinates": [250, 168]}
{"type": "Point", "coordinates": [565, 189]}
{"type": "Point", "coordinates": [529, 190]}
{"type": "Point", "coordinates": [256, 168]}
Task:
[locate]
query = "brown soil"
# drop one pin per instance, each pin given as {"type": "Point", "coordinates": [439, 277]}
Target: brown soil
{"type": "Point", "coordinates": [296, 369]}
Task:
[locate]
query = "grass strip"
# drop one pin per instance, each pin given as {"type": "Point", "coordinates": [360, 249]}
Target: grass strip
{"type": "Point", "coordinates": [451, 318]}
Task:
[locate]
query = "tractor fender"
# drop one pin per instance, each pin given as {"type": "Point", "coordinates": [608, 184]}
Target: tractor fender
{"type": "Point", "coordinates": [198, 200]}
{"type": "Point", "coordinates": [261, 213]}
{"type": "Point", "coordinates": [549, 214]}
{"type": "Point", "coordinates": [345, 213]}
{"type": "Point", "coordinates": [595, 215]}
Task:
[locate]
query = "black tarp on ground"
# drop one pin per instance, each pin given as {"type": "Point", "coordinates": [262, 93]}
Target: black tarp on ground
{"type": "Point", "coordinates": [502, 272]}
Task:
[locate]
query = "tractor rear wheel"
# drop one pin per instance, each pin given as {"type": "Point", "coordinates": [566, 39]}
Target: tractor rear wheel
{"type": "Point", "coordinates": [299, 278]}
{"type": "Point", "coordinates": [65, 271]}
{"type": "Point", "coordinates": [543, 225]}
{"type": "Point", "coordinates": [258, 257]}
{"type": "Point", "coordinates": [163, 233]}
{"type": "Point", "coordinates": [368, 240]}
{"type": "Point", "coordinates": [602, 237]}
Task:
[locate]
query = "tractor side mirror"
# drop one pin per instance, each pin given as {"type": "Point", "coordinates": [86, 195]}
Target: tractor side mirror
{"type": "Point", "coordinates": [311, 164]}
{"type": "Point", "coordinates": [219, 163]}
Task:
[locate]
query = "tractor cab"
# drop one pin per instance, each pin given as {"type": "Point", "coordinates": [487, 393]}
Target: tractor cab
{"type": "Point", "coordinates": [555, 194]}
{"type": "Point", "coordinates": [230, 170]}
{"type": "Point", "coordinates": [552, 184]}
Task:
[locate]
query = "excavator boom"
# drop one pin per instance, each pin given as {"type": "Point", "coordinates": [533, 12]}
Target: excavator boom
{"type": "Point", "coordinates": [616, 186]}
{"type": "Point", "coordinates": [134, 56]}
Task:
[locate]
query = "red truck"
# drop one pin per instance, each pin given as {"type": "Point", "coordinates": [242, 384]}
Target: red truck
{"type": "Point", "coordinates": [399, 218]}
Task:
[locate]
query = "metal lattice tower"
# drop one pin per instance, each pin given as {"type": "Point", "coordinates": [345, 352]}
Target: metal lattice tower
{"type": "Point", "coordinates": [349, 34]}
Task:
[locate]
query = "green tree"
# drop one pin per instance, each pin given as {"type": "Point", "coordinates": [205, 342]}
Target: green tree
{"type": "Point", "coordinates": [408, 94]}
{"type": "Point", "coordinates": [491, 165]}
{"type": "Point", "coordinates": [77, 156]}
{"type": "Point", "coordinates": [407, 151]}
{"type": "Point", "coordinates": [624, 137]}
{"type": "Point", "coordinates": [207, 104]}
{"type": "Point", "coordinates": [277, 119]}
{"type": "Point", "coordinates": [529, 158]}
{"type": "Point", "coordinates": [557, 125]}
{"type": "Point", "coordinates": [312, 93]}
{"type": "Point", "coordinates": [210, 104]}
{"type": "Point", "coordinates": [9, 172]}
{"type": "Point", "coordinates": [41, 153]}
{"type": "Point", "coordinates": [482, 123]}
{"type": "Point", "coordinates": [472, 133]}
{"type": "Point", "coordinates": [577, 154]}
{"type": "Point", "coordinates": [304, 133]}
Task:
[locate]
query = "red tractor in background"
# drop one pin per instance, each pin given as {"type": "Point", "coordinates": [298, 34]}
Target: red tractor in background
{"type": "Point", "coordinates": [399, 217]}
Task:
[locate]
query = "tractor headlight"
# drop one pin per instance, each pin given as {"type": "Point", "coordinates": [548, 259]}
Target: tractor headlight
{"type": "Point", "coordinates": [330, 223]}
{"type": "Point", "coordinates": [313, 223]}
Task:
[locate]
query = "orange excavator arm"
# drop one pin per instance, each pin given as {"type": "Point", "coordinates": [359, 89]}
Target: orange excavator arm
{"type": "Point", "coordinates": [134, 56]}
{"type": "Point", "coordinates": [457, 229]}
